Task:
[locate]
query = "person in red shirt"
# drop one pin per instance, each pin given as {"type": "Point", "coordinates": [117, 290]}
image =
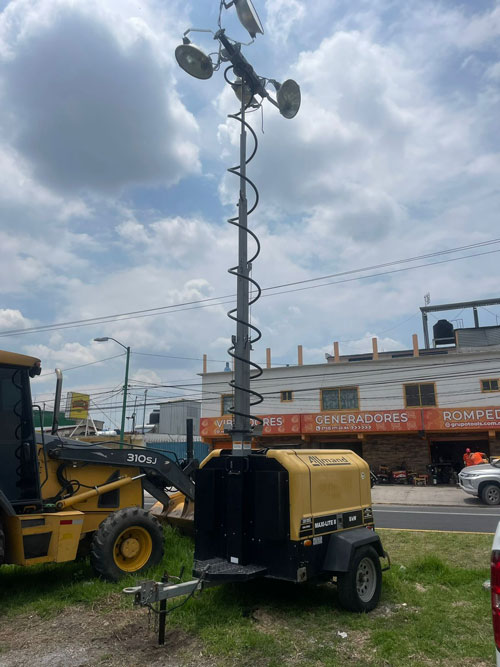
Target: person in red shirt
{"type": "Point", "coordinates": [467, 457]}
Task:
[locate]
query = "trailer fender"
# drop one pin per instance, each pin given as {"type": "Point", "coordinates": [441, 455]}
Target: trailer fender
{"type": "Point", "coordinates": [342, 546]}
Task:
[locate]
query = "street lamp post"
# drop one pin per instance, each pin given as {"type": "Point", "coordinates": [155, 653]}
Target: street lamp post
{"type": "Point", "coordinates": [247, 85]}
{"type": "Point", "coordinates": [104, 339]}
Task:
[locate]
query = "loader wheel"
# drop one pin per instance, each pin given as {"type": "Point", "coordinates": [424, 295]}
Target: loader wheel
{"type": "Point", "coordinates": [128, 541]}
{"type": "Point", "coordinates": [359, 589]}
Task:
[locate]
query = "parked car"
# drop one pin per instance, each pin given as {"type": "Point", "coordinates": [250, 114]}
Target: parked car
{"type": "Point", "coordinates": [482, 481]}
{"type": "Point", "coordinates": [495, 591]}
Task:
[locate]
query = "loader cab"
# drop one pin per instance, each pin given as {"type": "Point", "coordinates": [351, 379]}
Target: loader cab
{"type": "Point", "coordinates": [19, 473]}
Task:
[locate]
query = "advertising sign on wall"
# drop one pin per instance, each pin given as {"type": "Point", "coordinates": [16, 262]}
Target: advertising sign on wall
{"type": "Point", "coordinates": [456, 419]}
{"type": "Point", "coordinates": [362, 422]}
{"type": "Point", "coordinates": [273, 425]}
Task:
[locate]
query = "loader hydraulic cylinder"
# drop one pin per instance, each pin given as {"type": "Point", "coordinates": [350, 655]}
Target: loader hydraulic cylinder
{"type": "Point", "coordinates": [97, 491]}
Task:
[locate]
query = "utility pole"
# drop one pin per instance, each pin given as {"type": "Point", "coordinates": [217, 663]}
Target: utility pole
{"type": "Point", "coordinates": [144, 413]}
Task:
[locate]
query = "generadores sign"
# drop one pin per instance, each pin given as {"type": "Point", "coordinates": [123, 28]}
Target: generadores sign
{"type": "Point", "coordinates": [362, 421]}
{"type": "Point", "coordinates": [375, 421]}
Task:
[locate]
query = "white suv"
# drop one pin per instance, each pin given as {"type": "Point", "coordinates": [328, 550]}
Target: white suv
{"type": "Point", "coordinates": [483, 481]}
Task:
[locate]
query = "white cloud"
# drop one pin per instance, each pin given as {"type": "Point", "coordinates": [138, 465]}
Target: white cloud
{"type": "Point", "coordinates": [282, 16]}
{"type": "Point", "coordinates": [12, 319]}
{"type": "Point", "coordinates": [88, 98]}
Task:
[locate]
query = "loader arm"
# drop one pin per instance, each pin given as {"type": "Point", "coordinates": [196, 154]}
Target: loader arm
{"type": "Point", "coordinates": [159, 471]}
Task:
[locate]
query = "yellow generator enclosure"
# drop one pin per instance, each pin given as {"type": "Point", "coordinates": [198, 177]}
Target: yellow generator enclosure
{"type": "Point", "coordinates": [292, 513]}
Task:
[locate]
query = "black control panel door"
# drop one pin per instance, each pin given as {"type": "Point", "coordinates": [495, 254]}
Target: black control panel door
{"type": "Point", "coordinates": [19, 479]}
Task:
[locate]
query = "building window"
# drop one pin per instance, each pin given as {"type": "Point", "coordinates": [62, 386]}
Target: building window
{"type": "Point", "coordinates": [286, 396]}
{"type": "Point", "coordinates": [420, 395]}
{"type": "Point", "coordinates": [226, 402]}
{"type": "Point", "coordinates": [340, 398]}
{"type": "Point", "coordinates": [489, 385]}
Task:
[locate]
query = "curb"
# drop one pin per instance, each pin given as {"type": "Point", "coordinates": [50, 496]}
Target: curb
{"type": "Point", "coordinates": [393, 502]}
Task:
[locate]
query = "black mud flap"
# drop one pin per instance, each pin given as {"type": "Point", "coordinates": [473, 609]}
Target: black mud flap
{"type": "Point", "coordinates": [341, 548]}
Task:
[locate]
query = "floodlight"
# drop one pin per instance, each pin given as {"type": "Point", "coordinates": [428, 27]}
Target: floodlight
{"type": "Point", "coordinates": [288, 98]}
{"type": "Point", "coordinates": [243, 90]}
{"type": "Point", "coordinates": [248, 17]}
{"type": "Point", "coordinates": [194, 61]}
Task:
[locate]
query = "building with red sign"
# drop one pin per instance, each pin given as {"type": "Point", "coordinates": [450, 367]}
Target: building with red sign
{"type": "Point", "coordinates": [406, 408]}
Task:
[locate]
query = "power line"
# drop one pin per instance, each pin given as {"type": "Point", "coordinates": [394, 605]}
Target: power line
{"type": "Point", "coordinates": [91, 363]}
{"type": "Point", "coordinates": [209, 302]}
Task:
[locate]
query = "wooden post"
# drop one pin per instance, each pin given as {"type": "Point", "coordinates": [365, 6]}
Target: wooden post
{"type": "Point", "coordinates": [268, 357]}
{"type": "Point", "coordinates": [336, 353]}
{"type": "Point", "coordinates": [375, 348]}
{"type": "Point", "coordinates": [204, 363]}
{"type": "Point", "coordinates": [299, 354]}
{"type": "Point", "coordinates": [416, 351]}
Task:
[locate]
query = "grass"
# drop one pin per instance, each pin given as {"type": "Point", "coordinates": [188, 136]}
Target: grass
{"type": "Point", "coordinates": [433, 611]}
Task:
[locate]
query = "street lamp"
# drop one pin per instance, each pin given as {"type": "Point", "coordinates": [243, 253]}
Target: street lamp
{"type": "Point", "coordinates": [104, 339]}
{"type": "Point", "coordinates": [248, 86]}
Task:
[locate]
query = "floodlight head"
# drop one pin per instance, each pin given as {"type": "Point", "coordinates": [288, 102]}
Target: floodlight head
{"type": "Point", "coordinates": [249, 18]}
{"type": "Point", "coordinates": [193, 61]}
{"type": "Point", "coordinates": [288, 98]}
{"type": "Point", "coordinates": [102, 339]}
{"type": "Point", "coordinates": [244, 91]}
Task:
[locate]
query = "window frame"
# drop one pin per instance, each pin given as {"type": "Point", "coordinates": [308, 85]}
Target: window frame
{"type": "Point", "coordinates": [286, 400]}
{"type": "Point", "coordinates": [489, 391]}
{"type": "Point", "coordinates": [419, 384]}
{"type": "Point", "coordinates": [222, 397]}
{"type": "Point", "coordinates": [338, 389]}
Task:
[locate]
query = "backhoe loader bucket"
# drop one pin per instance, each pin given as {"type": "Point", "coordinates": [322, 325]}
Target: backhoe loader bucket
{"type": "Point", "coordinates": [179, 513]}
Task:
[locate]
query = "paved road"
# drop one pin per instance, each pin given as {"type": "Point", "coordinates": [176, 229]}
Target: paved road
{"type": "Point", "coordinates": [474, 519]}
{"type": "Point", "coordinates": [465, 519]}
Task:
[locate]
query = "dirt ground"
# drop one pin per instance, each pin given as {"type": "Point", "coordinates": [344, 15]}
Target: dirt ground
{"type": "Point", "coordinates": [83, 637]}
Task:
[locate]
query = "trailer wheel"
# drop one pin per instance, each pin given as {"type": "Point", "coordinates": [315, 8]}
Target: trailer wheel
{"type": "Point", "coordinates": [127, 541]}
{"type": "Point", "coordinates": [359, 588]}
{"type": "Point", "coordinates": [490, 494]}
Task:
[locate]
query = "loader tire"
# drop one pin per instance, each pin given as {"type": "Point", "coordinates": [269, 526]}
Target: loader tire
{"type": "Point", "coordinates": [359, 588]}
{"type": "Point", "coordinates": [2, 544]}
{"type": "Point", "coordinates": [127, 541]}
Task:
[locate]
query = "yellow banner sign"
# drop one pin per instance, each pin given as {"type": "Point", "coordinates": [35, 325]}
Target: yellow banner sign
{"type": "Point", "coordinates": [77, 405]}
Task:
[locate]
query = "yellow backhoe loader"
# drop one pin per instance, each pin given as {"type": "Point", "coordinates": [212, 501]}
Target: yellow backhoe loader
{"type": "Point", "coordinates": [61, 497]}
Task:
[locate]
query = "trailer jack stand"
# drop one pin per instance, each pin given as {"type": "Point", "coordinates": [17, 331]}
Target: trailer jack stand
{"type": "Point", "coordinates": [148, 593]}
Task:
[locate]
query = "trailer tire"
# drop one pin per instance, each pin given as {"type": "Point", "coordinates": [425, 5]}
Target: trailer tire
{"type": "Point", "coordinates": [359, 588]}
{"type": "Point", "coordinates": [490, 494]}
{"type": "Point", "coordinates": [2, 544]}
{"type": "Point", "coordinates": [127, 541]}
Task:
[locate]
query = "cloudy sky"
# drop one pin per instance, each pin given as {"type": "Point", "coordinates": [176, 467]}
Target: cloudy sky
{"type": "Point", "coordinates": [114, 193]}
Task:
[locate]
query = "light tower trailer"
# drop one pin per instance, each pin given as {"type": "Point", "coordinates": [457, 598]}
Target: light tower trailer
{"type": "Point", "coordinates": [289, 514]}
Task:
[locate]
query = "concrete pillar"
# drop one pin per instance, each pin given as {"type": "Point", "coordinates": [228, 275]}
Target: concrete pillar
{"type": "Point", "coordinates": [204, 363]}
{"type": "Point", "coordinates": [416, 351]}
{"type": "Point", "coordinates": [268, 357]}
{"type": "Point", "coordinates": [336, 353]}
{"type": "Point", "coordinates": [299, 355]}
{"type": "Point", "coordinates": [375, 348]}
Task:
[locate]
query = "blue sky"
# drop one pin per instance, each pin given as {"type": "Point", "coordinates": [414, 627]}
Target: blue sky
{"type": "Point", "coordinates": [114, 190]}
